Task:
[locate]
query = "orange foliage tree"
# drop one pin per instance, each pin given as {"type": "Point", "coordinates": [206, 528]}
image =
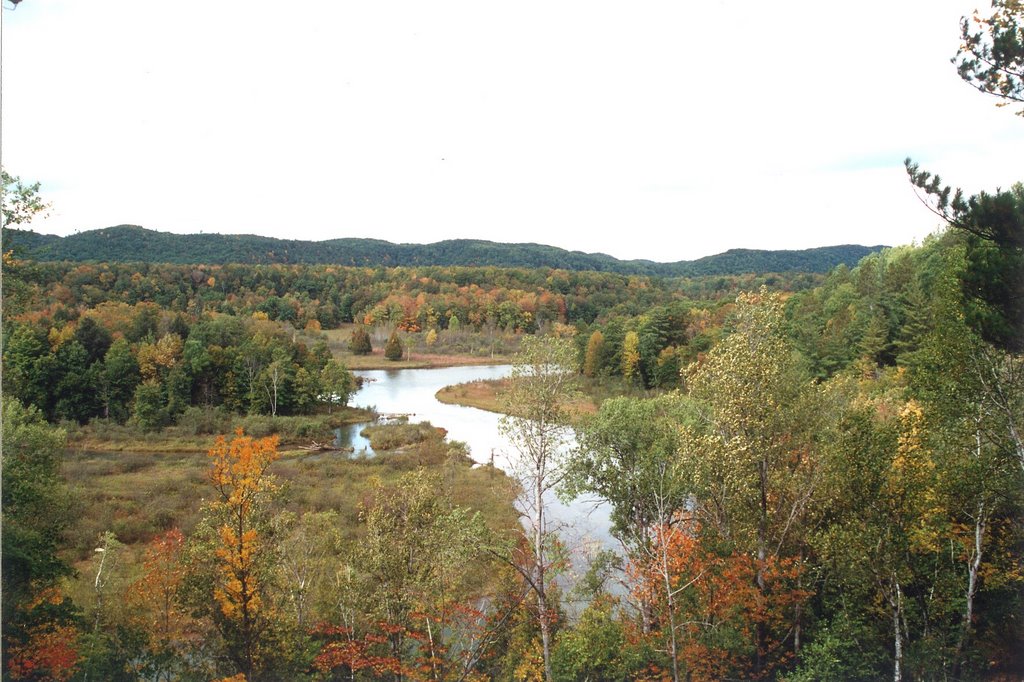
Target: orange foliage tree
{"type": "Point", "coordinates": [48, 648]}
{"type": "Point", "coordinates": [709, 606]}
{"type": "Point", "coordinates": [155, 601]}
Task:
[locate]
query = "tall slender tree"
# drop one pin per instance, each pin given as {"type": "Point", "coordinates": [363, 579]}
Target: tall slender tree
{"type": "Point", "coordinates": [541, 387]}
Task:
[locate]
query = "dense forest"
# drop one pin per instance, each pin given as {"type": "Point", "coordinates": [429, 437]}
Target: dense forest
{"type": "Point", "coordinates": [130, 243]}
{"type": "Point", "coordinates": [808, 482]}
{"type": "Point", "coordinates": [809, 475]}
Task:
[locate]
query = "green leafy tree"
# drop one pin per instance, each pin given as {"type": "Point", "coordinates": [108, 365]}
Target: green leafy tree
{"type": "Point", "coordinates": [75, 390]}
{"type": "Point", "coordinates": [306, 390]}
{"type": "Point", "coordinates": [751, 455]}
{"type": "Point", "coordinates": [36, 513]}
{"type": "Point", "coordinates": [30, 369]}
{"type": "Point", "coordinates": [631, 357]}
{"type": "Point", "coordinates": [992, 227]}
{"type": "Point", "coordinates": [626, 455]}
{"type": "Point", "coordinates": [415, 553]}
{"type": "Point", "coordinates": [973, 396]}
{"type": "Point", "coordinates": [35, 502]}
{"type": "Point", "coordinates": [150, 405]}
{"type": "Point", "coordinates": [21, 202]}
{"type": "Point", "coordinates": [338, 384]}
{"type": "Point", "coordinates": [94, 339]}
{"type": "Point", "coordinates": [598, 647]}
{"type": "Point", "coordinates": [118, 378]}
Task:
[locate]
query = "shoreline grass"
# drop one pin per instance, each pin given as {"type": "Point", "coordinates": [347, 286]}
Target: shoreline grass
{"type": "Point", "coordinates": [198, 428]}
{"type": "Point", "coordinates": [485, 394]}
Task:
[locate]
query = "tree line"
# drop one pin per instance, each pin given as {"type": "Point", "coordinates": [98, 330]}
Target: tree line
{"type": "Point", "coordinates": [149, 365]}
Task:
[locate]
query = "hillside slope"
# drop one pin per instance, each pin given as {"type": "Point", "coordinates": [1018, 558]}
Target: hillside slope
{"type": "Point", "coordinates": [131, 243]}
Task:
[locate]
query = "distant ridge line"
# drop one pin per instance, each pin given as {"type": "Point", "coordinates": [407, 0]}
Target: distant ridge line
{"type": "Point", "coordinates": [132, 243]}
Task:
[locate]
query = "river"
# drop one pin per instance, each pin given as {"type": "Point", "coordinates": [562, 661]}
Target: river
{"type": "Point", "coordinates": [583, 524]}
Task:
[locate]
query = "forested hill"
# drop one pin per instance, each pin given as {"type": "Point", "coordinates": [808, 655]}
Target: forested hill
{"type": "Point", "coordinates": [129, 243]}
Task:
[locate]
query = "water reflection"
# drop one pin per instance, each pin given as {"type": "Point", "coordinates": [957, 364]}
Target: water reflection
{"type": "Point", "coordinates": [350, 437]}
{"type": "Point", "coordinates": [583, 522]}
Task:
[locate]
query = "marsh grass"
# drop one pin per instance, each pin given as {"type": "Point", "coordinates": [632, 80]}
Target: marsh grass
{"type": "Point", "coordinates": [198, 427]}
{"type": "Point", "coordinates": [486, 394]}
{"type": "Point", "coordinates": [392, 436]}
{"type": "Point", "coordinates": [138, 495]}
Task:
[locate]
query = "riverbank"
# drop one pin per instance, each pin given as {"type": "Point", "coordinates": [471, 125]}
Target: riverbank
{"type": "Point", "coordinates": [449, 349]}
{"type": "Point", "coordinates": [197, 429]}
{"type": "Point", "coordinates": [376, 360]}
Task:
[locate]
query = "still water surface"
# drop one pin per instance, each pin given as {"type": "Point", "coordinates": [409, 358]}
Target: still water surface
{"type": "Point", "coordinates": [411, 392]}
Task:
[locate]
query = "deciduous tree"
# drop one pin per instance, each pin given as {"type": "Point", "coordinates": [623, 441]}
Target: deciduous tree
{"type": "Point", "coordinates": [541, 386]}
{"type": "Point", "coordinates": [240, 476]}
{"type": "Point", "coordinates": [338, 384]}
{"type": "Point", "coordinates": [593, 359]}
{"type": "Point", "coordinates": [21, 202]}
{"type": "Point", "coordinates": [752, 457]}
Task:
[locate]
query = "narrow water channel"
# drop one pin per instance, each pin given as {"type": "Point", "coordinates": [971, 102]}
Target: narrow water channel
{"type": "Point", "coordinates": [582, 523]}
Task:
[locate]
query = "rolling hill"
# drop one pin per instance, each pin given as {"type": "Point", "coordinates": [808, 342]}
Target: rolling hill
{"type": "Point", "coordinates": [131, 243]}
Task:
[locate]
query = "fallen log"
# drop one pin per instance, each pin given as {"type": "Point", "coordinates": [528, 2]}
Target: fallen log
{"type": "Point", "coordinates": [319, 447]}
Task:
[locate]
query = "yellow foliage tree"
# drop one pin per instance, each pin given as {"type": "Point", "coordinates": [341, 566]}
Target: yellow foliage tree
{"type": "Point", "coordinates": [240, 474]}
{"type": "Point", "coordinates": [631, 356]}
{"type": "Point", "coordinates": [595, 353]}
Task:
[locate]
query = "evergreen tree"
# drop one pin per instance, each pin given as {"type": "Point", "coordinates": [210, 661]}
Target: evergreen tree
{"type": "Point", "coordinates": [991, 58]}
{"type": "Point", "coordinates": [359, 344]}
{"type": "Point", "coordinates": [393, 350]}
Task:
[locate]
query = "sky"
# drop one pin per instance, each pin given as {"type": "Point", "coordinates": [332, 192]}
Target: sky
{"type": "Point", "coordinates": [660, 130]}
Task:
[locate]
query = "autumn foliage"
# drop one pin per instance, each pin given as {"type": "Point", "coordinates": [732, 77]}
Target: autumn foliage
{"type": "Point", "coordinates": [48, 648]}
{"type": "Point", "coordinates": [239, 473]}
{"type": "Point", "coordinates": [716, 603]}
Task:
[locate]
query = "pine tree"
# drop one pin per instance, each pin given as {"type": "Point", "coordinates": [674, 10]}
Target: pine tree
{"type": "Point", "coordinates": [359, 344]}
{"type": "Point", "coordinates": [393, 349]}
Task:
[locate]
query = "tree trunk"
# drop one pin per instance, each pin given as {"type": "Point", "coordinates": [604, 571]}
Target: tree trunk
{"type": "Point", "coordinates": [541, 587]}
{"type": "Point", "coordinates": [762, 555]}
{"type": "Point", "coordinates": [973, 570]}
{"type": "Point", "coordinates": [896, 601]}
{"type": "Point", "coordinates": [670, 606]}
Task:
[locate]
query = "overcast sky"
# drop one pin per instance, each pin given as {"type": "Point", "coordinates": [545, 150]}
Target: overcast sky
{"type": "Point", "coordinates": [660, 130]}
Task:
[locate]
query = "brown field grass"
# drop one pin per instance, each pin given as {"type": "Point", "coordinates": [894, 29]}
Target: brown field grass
{"type": "Point", "coordinates": [138, 495]}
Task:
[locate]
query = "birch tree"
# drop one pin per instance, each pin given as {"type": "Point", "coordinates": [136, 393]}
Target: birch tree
{"type": "Point", "coordinates": [751, 456]}
{"type": "Point", "coordinates": [541, 389]}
